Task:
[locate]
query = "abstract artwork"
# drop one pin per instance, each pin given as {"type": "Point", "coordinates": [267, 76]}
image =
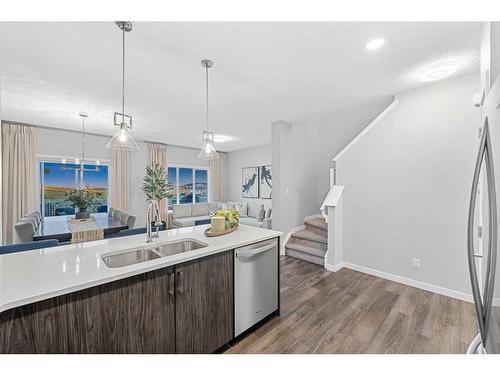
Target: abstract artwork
{"type": "Point", "coordinates": [250, 182]}
{"type": "Point", "coordinates": [266, 181]}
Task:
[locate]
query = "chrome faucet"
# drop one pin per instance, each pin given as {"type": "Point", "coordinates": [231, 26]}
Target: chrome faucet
{"type": "Point", "coordinates": [153, 215]}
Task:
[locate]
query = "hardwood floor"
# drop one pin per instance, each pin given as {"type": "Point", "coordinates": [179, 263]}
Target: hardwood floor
{"type": "Point", "coordinates": [352, 312]}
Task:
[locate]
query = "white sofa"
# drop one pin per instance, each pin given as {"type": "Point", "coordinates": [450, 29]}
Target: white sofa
{"type": "Point", "coordinates": [185, 215]}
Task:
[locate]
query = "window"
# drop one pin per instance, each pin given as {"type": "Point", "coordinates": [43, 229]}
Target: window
{"type": "Point", "coordinates": [187, 185]}
{"type": "Point", "coordinates": [57, 178]}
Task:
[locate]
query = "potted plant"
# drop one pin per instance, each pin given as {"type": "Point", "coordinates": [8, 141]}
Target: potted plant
{"type": "Point", "coordinates": [155, 183]}
{"type": "Point", "coordinates": [82, 199]}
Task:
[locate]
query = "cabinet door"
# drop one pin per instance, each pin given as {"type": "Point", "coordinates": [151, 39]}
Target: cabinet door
{"type": "Point", "coordinates": [204, 303]}
{"type": "Point", "coordinates": [132, 315]}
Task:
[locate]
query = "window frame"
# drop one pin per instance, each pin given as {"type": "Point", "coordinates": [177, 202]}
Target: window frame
{"type": "Point", "coordinates": [194, 168]}
{"type": "Point", "coordinates": [40, 158]}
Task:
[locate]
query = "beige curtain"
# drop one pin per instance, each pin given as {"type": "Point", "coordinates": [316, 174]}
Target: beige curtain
{"type": "Point", "coordinates": [18, 176]}
{"type": "Point", "coordinates": [216, 178]}
{"type": "Point", "coordinates": [120, 177]}
{"type": "Point", "coordinates": [157, 154]}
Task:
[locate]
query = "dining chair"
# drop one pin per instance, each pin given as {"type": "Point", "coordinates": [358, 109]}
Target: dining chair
{"type": "Point", "coordinates": [130, 221]}
{"type": "Point", "coordinates": [18, 247]}
{"type": "Point", "coordinates": [25, 229]}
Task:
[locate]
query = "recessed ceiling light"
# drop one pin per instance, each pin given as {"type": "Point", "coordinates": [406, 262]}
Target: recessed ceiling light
{"type": "Point", "coordinates": [438, 70]}
{"type": "Point", "coordinates": [375, 43]}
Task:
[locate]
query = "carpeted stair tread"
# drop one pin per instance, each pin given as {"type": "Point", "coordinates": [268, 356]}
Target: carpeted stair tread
{"type": "Point", "coordinates": [310, 236]}
{"type": "Point", "coordinates": [318, 223]}
{"type": "Point", "coordinates": [306, 249]}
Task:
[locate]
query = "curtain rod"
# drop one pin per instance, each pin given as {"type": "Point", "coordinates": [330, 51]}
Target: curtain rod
{"type": "Point", "coordinates": [94, 134]}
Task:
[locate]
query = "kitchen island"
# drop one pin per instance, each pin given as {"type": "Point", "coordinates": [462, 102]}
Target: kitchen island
{"type": "Point", "coordinates": [73, 299]}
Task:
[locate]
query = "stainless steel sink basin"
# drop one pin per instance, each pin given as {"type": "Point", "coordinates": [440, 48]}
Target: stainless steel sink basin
{"type": "Point", "coordinates": [129, 257]}
{"type": "Point", "coordinates": [179, 247]}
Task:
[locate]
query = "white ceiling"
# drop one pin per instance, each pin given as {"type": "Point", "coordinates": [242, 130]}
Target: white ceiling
{"type": "Point", "coordinates": [263, 72]}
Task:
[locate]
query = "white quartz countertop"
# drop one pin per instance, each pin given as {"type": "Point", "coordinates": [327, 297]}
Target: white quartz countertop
{"type": "Point", "coordinates": [35, 275]}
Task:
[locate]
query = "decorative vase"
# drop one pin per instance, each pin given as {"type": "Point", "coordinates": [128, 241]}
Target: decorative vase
{"type": "Point", "coordinates": [82, 214]}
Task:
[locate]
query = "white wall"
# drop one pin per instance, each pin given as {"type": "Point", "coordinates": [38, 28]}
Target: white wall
{"type": "Point", "coordinates": [295, 168]}
{"type": "Point", "coordinates": [494, 52]}
{"type": "Point", "coordinates": [68, 144]}
{"type": "Point", "coordinates": [302, 154]}
{"type": "Point", "coordinates": [235, 161]}
{"type": "Point", "coordinates": [407, 186]}
{"type": "Point", "coordinates": [337, 129]}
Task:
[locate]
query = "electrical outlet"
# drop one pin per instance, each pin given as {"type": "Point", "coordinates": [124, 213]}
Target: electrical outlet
{"type": "Point", "coordinates": [415, 263]}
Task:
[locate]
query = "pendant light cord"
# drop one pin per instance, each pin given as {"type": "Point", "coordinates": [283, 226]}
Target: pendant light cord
{"type": "Point", "coordinates": [83, 142]}
{"type": "Point", "coordinates": [123, 76]}
{"type": "Point", "coordinates": [206, 76]}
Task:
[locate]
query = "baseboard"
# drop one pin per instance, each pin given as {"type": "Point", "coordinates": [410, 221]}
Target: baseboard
{"type": "Point", "coordinates": [403, 280]}
{"type": "Point", "coordinates": [334, 268]}
{"type": "Point", "coordinates": [317, 216]}
{"type": "Point", "coordinates": [287, 237]}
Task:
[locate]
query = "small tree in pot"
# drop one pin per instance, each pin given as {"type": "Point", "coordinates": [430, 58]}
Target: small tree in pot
{"type": "Point", "coordinates": [82, 199]}
{"type": "Point", "coordinates": [155, 183]}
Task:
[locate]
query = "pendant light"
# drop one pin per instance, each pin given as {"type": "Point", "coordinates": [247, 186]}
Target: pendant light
{"type": "Point", "coordinates": [80, 163]}
{"type": "Point", "coordinates": [123, 140]}
{"type": "Point", "coordinates": [207, 151]}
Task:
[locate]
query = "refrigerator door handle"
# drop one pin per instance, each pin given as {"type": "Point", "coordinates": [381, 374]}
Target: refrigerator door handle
{"type": "Point", "coordinates": [492, 240]}
{"type": "Point", "coordinates": [476, 293]}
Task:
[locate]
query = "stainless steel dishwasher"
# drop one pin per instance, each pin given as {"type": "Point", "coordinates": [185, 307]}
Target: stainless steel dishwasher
{"type": "Point", "coordinates": [255, 283]}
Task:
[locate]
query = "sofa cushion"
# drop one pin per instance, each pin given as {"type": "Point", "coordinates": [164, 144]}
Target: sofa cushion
{"type": "Point", "coordinates": [199, 209]}
{"type": "Point", "coordinates": [250, 221]}
{"type": "Point", "coordinates": [214, 206]}
{"type": "Point", "coordinates": [181, 210]}
{"type": "Point", "coordinates": [187, 221]}
{"type": "Point", "coordinates": [253, 209]}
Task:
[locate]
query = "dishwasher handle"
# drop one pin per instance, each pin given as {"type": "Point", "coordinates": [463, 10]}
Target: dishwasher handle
{"type": "Point", "coordinates": [252, 252]}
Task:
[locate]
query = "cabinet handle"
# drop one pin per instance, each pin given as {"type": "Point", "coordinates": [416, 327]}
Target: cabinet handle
{"type": "Point", "coordinates": [171, 283]}
{"type": "Point", "coordinates": [178, 280]}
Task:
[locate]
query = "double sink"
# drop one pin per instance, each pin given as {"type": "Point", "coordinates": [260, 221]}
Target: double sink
{"type": "Point", "coordinates": [144, 254]}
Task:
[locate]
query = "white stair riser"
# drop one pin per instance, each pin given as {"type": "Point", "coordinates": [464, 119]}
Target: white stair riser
{"type": "Point", "coordinates": [307, 257]}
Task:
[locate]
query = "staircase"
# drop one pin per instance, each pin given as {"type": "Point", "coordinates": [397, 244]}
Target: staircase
{"type": "Point", "coordinates": [309, 244]}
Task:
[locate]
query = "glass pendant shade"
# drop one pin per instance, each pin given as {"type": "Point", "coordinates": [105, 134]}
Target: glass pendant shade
{"type": "Point", "coordinates": [123, 140]}
{"type": "Point", "coordinates": [208, 152]}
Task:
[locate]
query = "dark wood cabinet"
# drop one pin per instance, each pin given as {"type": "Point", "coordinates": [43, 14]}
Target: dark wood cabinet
{"type": "Point", "coordinates": [204, 304]}
{"type": "Point", "coordinates": [187, 308]}
{"type": "Point", "coordinates": [132, 315]}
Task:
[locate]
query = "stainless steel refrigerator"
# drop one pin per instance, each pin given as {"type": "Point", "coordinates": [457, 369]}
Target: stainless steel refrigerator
{"type": "Point", "coordinates": [484, 267]}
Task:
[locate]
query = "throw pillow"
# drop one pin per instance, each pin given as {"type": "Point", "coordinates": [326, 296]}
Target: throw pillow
{"type": "Point", "coordinates": [243, 209]}
{"type": "Point", "coordinates": [214, 206]}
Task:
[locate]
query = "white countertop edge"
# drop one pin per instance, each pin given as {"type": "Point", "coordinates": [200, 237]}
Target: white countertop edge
{"type": "Point", "coordinates": [144, 266]}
